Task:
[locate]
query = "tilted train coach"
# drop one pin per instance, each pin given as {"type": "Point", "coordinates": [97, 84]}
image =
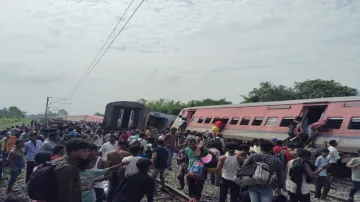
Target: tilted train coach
{"type": "Point", "coordinates": [271, 119]}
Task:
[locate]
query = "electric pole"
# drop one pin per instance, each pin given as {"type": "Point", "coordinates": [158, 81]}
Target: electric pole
{"type": "Point", "coordinates": [46, 109]}
{"type": "Point", "coordinates": [50, 103]}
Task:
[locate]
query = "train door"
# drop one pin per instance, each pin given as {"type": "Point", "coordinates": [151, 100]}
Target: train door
{"type": "Point", "coordinates": [190, 114]}
{"type": "Point", "coordinates": [312, 114]}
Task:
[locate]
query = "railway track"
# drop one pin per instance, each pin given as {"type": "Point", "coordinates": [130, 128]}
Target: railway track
{"type": "Point", "coordinates": [172, 194]}
{"type": "Point", "coordinates": [330, 196]}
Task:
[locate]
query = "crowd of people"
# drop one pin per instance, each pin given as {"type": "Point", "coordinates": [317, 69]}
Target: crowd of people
{"type": "Point", "coordinates": [82, 157]}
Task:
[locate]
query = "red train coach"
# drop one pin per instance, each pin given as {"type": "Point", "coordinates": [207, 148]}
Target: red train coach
{"type": "Point", "coordinates": [271, 119]}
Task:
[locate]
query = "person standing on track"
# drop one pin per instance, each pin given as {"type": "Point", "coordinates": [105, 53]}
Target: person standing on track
{"type": "Point", "coordinates": [159, 159]}
{"type": "Point", "coordinates": [333, 157]}
{"type": "Point", "coordinates": [114, 158]}
{"type": "Point", "coordinates": [170, 142]}
{"type": "Point", "coordinates": [134, 187]}
{"type": "Point", "coordinates": [228, 165]}
{"type": "Point", "coordinates": [354, 164]}
{"type": "Point", "coordinates": [322, 181]}
{"type": "Point", "coordinates": [194, 153]}
{"type": "Point", "coordinates": [264, 193]}
{"type": "Point", "coordinates": [16, 161]}
{"type": "Point", "coordinates": [98, 163]}
{"type": "Point", "coordinates": [32, 147]}
{"type": "Point", "coordinates": [67, 178]}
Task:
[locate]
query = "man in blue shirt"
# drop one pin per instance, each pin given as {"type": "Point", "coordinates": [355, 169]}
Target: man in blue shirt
{"type": "Point", "coordinates": [322, 180]}
{"type": "Point", "coordinates": [31, 148]}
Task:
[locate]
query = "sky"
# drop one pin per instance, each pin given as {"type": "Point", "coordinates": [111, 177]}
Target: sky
{"type": "Point", "coordinates": [178, 49]}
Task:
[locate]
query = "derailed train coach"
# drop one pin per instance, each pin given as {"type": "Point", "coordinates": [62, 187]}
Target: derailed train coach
{"type": "Point", "coordinates": [160, 121]}
{"type": "Point", "coordinates": [125, 114]}
{"type": "Point", "coordinates": [271, 120]}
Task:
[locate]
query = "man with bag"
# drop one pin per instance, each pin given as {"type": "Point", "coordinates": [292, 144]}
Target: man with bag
{"type": "Point", "coordinates": [263, 191]}
{"type": "Point", "coordinates": [196, 175]}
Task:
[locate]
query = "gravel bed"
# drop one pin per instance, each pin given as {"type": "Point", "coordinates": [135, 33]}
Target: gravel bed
{"type": "Point", "coordinates": [19, 195]}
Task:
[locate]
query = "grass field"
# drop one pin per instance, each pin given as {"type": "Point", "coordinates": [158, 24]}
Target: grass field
{"type": "Point", "coordinates": [8, 122]}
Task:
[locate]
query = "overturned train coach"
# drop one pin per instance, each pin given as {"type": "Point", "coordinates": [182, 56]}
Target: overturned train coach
{"type": "Point", "coordinates": [126, 114]}
{"type": "Point", "coordinates": [271, 120]}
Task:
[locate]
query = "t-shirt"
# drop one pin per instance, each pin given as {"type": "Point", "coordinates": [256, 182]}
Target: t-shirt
{"type": "Point", "coordinates": [131, 167]}
{"type": "Point", "coordinates": [107, 148]}
{"type": "Point", "coordinates": [24, 137]}
{"type": "Point", "coordinates": [162, 157]}
{"type": "Point", "coordinates": [355, 172]}
{"type": "Point", "coordinates": [277, 149]}
{"type": "Point", "coordinates": [216, 152]}
{"type": "Point", "coordinates": [320, 162]}
{"type": "Point", "coordinates": [191, 155]}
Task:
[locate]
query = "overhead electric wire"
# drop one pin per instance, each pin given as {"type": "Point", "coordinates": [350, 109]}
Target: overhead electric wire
{"type": "Point", "coordinates": [89, 69]}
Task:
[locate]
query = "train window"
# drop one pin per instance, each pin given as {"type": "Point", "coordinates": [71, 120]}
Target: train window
{"type": "Point", "coordinates": [225, 120]}
{"type": "Point", "coordinates": [271, 121]}
{"type": "Point", "coordinates": [194, 119]}
{"type": "Point", "coordinates": [201, 119]}
{"type": "Point", "coordinates": [245, 120]}
{"type": "Point", "coordinates": [208, 119]}
{"type": "Point", "coordinates": [286, 121]}
{"type": "Point", "coordinates": [216, 119]}
{"type": "Point", "coordinates": [234, 120]}
{"type": "Point", "coordinates": [257, 121]}
{"type": "Point", "coordinates": [334, 122]}
{"type": "Point", "coordinates": [354, 123]}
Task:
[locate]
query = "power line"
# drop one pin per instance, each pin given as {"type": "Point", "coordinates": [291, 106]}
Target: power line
{"type": "Point", "coordinates": [89, 69]}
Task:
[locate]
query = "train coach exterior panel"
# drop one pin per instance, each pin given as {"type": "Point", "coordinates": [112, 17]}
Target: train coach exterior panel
{"type": "Point", "coordinates": [271, 119]}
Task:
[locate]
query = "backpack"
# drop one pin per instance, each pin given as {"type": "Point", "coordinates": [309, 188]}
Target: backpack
{"type": "Point", "coordinates": [213, 163]}
{"type": "Point", "coordinates": [41, 185]}
{"type": "Point", "coordinates": [255, 173]}
{"type": "Point", "coordinates": [198, 170]}
{"type": "Point", "coordinates": [281, 156]}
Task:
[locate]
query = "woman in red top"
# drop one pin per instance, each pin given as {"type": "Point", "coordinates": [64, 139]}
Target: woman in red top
{"type": "Point", "coordinates": [59, 150]}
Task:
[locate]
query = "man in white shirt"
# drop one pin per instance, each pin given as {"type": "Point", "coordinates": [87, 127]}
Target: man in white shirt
{"type": "Point", "coordinates": [107, 136]}
{"type": "Point", "coordinates": [354, 164]}
{"type": "Point", "coordinates": [143, 141]}
{"type": "Point", "coordinates": [108, 147]}
{"type": "Point", "coordinates": [130, 162]}
{"type": "Point", "coordinates": [333, 158]}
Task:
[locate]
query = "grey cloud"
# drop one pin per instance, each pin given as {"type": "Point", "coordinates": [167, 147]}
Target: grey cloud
{"type": "Point", "coordinates": [170, 41]}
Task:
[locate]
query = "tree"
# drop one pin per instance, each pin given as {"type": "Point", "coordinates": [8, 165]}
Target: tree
{"type": "Point", "coordinates": [173, 107]}
{"type": "Point", "coordinates": [308, 89]}
{"type": "Point", "coordinates": [15, 112]}
{"type": "Point", "coordinates": [62, 112]}
{"type": "Point", "coordinates": [322, 88]}
{"type": "Point", "coordinates": [99, 114]}
{"type": "Point", "coordinates": [268, 92]}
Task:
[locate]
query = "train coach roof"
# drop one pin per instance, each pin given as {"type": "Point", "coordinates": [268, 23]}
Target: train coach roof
{"type": "Point", "coordinates": [287, 102]}
{"type": "Point", "coordinates": [126, 104]}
